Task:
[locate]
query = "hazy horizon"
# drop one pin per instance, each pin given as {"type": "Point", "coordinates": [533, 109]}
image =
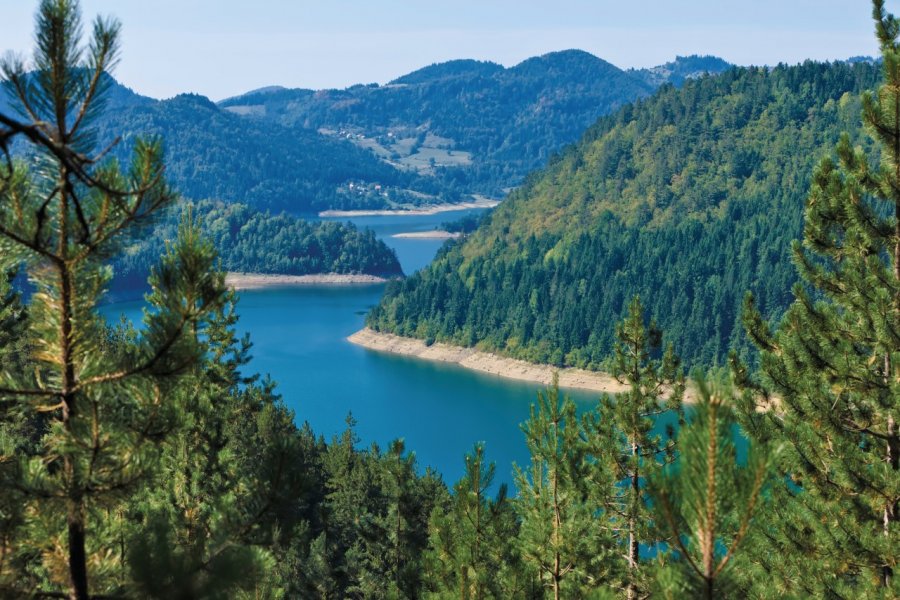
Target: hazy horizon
{"type": "Point", "coordinates": [223, 49]}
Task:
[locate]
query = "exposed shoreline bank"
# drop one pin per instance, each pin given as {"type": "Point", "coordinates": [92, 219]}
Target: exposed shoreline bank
{"type": "Point", "coordinates": [255, 281]}
{"type": "Point", "coordinates": [437, 234]}
{"type": "Point", "coordinates": [486, 362]}
{"type": "Point", "coordinates": [411, 212]}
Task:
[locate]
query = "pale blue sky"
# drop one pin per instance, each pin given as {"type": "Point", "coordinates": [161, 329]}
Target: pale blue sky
{"type": "Point", "coordinates": [220, 48]}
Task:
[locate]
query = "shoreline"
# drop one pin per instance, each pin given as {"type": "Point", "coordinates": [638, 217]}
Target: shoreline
{"type": "Point", "coordinates": [437, 234]}
{"type": "Point", "coordinates": [486, 362]}
{"type": "Point", "coordinates": [255, 281]}
{"type": "Point", "coordinates": [411, 212]}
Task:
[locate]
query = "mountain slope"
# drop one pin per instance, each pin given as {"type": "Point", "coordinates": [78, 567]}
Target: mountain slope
{"type": "Point", "coordinates": [689, 198]}
{"type": "Point", "coordinates": [441, 133]}
{"type": "Point", "coordinates": [474, 126]}
{"type": "Point", "coordinates": [212, 153]}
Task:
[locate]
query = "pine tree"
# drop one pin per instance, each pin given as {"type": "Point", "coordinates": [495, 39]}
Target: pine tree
{"type": "Point", "coordinates": [559, 536]}
{"type": "Point", "coordinates": [228, 481]}
{"type": "Point", "coordinates": [395, 543]}
{"type": "Point", "coordinates": [707, 500]}
{"type": "Point", "coordinates": [63, 218]}
{"type": "Point", "coordinates": [471, 554]}
{"type": "Point", "coordinates": [831, 369]}
{"type": "Point", "coordinates": [18, 433]}
{"type": "Point", "coordinates": [624, 441]}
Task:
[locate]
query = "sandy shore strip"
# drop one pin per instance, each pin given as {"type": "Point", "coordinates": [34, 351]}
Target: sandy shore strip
{"type": "Point", "coordinates": [428, 235]}
{"type": "Point", "coordinates": [254, 281]}
{"type": "Point", "coordinates": [418, 211]}
{"type": "Point", "coordinates": [487, 362]}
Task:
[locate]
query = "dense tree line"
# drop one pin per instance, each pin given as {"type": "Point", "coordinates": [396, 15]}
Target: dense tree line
{"type": "Point", "coordinates": [689, 198]}
{"type": "Point", "coordinates": [252, 241]}
{"type": "Point", "coordinates": [143, 462]}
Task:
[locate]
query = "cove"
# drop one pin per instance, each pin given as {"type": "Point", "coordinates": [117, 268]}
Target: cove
{"type": "Point", "coordinates": [440, 410]}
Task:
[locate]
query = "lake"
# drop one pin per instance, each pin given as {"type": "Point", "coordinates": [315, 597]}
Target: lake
{"type": "Point", "coordinates": [299, 338]}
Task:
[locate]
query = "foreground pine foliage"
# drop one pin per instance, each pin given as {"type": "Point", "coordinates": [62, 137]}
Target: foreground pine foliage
{"type": "Point", "coordinates": [148, 462]}
{"type": "Point", "coordinates": [833, 365]}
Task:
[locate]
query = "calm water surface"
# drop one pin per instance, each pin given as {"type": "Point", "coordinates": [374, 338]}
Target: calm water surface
{"type": "Point", "coordinates": [299, 336]}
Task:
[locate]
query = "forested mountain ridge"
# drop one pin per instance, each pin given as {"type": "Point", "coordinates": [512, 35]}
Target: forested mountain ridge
{"type": "Point", "coordinates": [215, 154]}
{"type": "Point", "coordinates": [438, 134]}
{"type": "Point", "coordinates": [212, 153]}
{"type": "Point", "coordinates": [689, 198]}
{"type": "Point", "coordinates": [475, 126]}
{"type": "Point", "coordinates": [682, 69]}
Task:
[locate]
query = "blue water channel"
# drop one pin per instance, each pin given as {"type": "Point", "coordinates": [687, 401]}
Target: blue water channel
{"type": "Point", "coordinates": [440, 410]}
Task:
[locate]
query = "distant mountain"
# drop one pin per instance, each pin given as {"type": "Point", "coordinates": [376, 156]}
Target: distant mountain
{"type": "Point", "coordinates": [689, 198]}
{"type": "Point", "coordinates": [681, 69]}
{"type": "Point", "coordinates": [438, 134]}
{"type": "Point", "coordinates": [449, 70]}
{"type": "Point", "coordinates": [215, 154]}
{"type": "Point", "coordinates": [473, 126]}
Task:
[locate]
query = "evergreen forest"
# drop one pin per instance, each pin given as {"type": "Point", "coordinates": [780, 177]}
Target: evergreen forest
{"type": "Point", "coordinates": [150, 462]}
{"type": "Point", "coordinates": [252, 241]}
{"type": "Point", "coordinates": [689, 198]}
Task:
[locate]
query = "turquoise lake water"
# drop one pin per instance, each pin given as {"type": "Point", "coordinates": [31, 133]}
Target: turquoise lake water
{"type": "Point", "coordinates": [299, 337]}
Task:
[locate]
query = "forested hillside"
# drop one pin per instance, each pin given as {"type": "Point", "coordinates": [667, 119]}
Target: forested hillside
{"type": "Point", "coordinates": [149, 462]}
{"type": "Point", "coordinates": [248, 240]}
{"type": "Point", "coordinates": [474, 126]}
{"type": "Point", "coordinates": [689, 198]}
{"type": "Point", "coordinates": [215, 154]}
{"type": "Point", "coordinates": [436, 135]}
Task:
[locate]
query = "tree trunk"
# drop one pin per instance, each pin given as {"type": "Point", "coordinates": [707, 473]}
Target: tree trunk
{"type": "Point", "coordinates": [631, 589]}
{"type": "Point", "coordinates": [78, 576]}
{"type": "Point", "coordinates": [78, 579]}
{"type": "Point", "coordinates": [557, 524]}
{"type": "Point", "coordinates": [893, 459]}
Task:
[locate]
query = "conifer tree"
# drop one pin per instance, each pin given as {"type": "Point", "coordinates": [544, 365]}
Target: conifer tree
{"type": "Point", "coordinates": [227, 483]}
{"type": "Point", "coordinates": [63, 217]}
{"type": "Point", "coordinates": [18, 431]}
{"type": "Point", "coordinates": [831, 369]}
{"type": "Point", "coordinates": [471, 555]}
{"type": "Point", "coordinates": [395, 543]}
{"type": "Point", "coordinates": [624, 441]}
{"type": "Point", "coordinates": [559, 536]}
{"type": "Point", "coordinates": [707, 500]}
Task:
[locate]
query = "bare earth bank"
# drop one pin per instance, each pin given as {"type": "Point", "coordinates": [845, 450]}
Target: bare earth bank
{"type": "Point", "coordinates": [428, 235]}
{"type": "Point", "coordinates": [252, 281]}
{"type": "Point", "coordinates": [411, 212]}
{"type": "Point", "coordinates": [487, 362]}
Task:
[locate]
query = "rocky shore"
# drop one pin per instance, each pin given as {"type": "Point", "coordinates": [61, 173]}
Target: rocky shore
{"type": "Point", "coordinates": [411, 212]}
{"type": "Point", "coordinates": [252, 281]}
{"type": "Point", "coordinates": [487, 362]}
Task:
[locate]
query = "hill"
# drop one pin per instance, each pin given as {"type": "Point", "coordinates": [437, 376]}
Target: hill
{"type": "Point", "coordinates": [252, 241]}
{"type": "Point", "coordinates": [473, 126]}
{"type": "Point", "coordinates": [438, 134]}
{"type": "Point", "coordinates": [212, 153]}
{"type": "Point", "coordinates": [688, 198]}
